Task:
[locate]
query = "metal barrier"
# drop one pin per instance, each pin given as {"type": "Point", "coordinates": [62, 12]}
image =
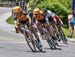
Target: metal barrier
{"type": "Point", "coordinates": [7, 4]}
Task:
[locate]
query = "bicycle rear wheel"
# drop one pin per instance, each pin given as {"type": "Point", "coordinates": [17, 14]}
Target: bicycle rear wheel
{"type": "Point", "coordinates": [63, 37]}
{"type": "Point", "coordinates": [30, 41]}
{"type": "Point", "coordinates": [51, 44]}
{"type": "Point", "coordinates": [38, 43]}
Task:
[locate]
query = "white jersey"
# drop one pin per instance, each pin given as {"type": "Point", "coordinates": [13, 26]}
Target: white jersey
{"type": "Point", "coordinates": [49, 13]}
{"type": "Point", "coordinates": [70, 18]}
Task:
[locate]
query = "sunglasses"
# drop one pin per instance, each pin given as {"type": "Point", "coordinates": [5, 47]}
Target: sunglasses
{"type": "Point", "coordinates": [35, 14]}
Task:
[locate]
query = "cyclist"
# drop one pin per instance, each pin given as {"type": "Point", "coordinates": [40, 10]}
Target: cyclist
{"type": "Point", "coordinates": [70, 24]}
{"type": "Point", "coordinates": [59, 24]}
{"type": "Point", "coordinates": [58, 20]}
{"type": "Point", "coordinates": [20, 17]}
{"type": "Point", "coordinates": [42, 25]}
{"type": "Point", "coordinates": [51, 19]}
{"type": "Point", "coordinates": [40, 19]}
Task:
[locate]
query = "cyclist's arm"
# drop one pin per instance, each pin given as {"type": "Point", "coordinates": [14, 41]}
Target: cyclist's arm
{"type": "Point", "coordinates": [15, 22]}
{"type": "Point", "coordinates": [54, 19]}
{"type": "Point", "coordinates": [61, 21]}
{"type": "Point", "coordinates": [29, 19]}
{"type": "Point", "coordinates": [35, 21]}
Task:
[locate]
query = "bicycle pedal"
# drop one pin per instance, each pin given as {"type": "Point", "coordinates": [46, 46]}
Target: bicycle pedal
{"type": "Point", "coordinates": [52, 48]}
{"type": "Point", "coordinates": [30, 40]}
{"type": "Point", "coordinates": [43, 37]}
{"type": "Point", "coordinates": [59, 40]}
{"type": "Point", "coordinates": [38, 43]}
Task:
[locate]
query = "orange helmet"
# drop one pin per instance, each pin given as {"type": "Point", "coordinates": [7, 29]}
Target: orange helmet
{"type": "Point", "coordinates": [36, 11]}
{"type": "Point", "coordinates": [41, 12]}
{"type": "Point", "coordinates": [17, 9]}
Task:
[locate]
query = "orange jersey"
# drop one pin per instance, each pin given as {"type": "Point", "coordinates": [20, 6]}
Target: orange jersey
{"type": "Point", "coordinates": [22, 17]}
{"type": "Point", "coordinates": [39, 17]}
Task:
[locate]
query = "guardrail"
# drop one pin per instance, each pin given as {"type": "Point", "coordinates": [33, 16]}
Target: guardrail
{"type": "Point", "coordinates": [7, 4]}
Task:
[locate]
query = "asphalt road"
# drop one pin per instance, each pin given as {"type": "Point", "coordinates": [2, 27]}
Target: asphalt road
{"type": "Point", "coordinates": [22, 50]}
{"type": "Point", "coordinates": [7, 32]}
{"type": "Point", "coordinates": [13, 45]}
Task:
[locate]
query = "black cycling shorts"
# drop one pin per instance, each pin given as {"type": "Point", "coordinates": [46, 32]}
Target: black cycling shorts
{"type": "Point", "coordinates": [26, 22]}
{"type": "Point", "coordinates": [50, 19]}
{"type": "Point", "coordinates": [42, 21]}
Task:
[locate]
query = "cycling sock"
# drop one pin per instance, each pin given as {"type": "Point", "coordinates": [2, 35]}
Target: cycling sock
{"type": "Point", "coordinates": [42, 33]}
{"type": "Point", "coordinates": [57, 35]}
{"type": "Point", "coordinates": [54, 38]}
{"type": "Point", "coordinates": [38, 40]}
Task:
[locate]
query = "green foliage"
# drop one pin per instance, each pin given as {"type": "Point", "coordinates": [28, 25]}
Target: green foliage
{"type": "Point", "coordinates": [60, 7]}
{"type": "Point", "coordinates": [10, 20]}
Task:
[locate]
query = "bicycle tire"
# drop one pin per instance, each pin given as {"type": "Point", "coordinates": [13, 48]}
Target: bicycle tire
{"type": "Point", "coordinates": [36, 43]}
{"type": "Point", "coordinates": [51, 44]}
{"type": "Point", "coordinates": [63, 37]}
{"type": "Point", "coordinates": [39, 47]}
{"type": "Point", "coordinates": [33, 49]}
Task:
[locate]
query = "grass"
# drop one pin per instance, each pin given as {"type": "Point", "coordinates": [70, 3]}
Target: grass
{"type": "Point", "coordinates": [10, 21]}
{"type": "Point", "coordinates": [66, 32]}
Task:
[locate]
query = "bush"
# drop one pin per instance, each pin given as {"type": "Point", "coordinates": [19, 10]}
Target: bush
{"type": "Point", "coordinates": [10, 20]}
{"type": "Point", "coordinates": [59, 7]}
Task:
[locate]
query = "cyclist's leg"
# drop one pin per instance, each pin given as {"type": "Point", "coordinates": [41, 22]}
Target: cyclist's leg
{"type": "Point", "coordinates": [16, 26]}
{"type": "Point", "coordinates": [52, 23]}
{"type": "Point", "coordinates": [53, 29]}
{"type": "Point", "coordinates": [52, 26]}
{"type": "Point", "coordinates": [48, 29]}
{"type": "Point", "coordinates": [35, 33]}
{"type": "Point", "coordinates": [50, 41]}
{"type": "Point", "coordinates": [70, 30]}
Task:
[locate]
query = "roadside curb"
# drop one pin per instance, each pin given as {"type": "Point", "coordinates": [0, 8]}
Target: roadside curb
{"type": "Point", "coordinates": [71, 39]}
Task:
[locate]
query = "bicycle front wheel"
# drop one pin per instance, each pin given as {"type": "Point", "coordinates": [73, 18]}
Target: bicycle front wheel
{"type": "Point", "coordinates": [63, 37]}
{"type": "Point", "coordinates": [30, 41]}
{"type": "Point", "coordinates": [51, 44]}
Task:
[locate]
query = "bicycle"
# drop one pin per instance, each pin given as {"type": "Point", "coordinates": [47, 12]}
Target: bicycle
{"type": "Point", "coordinates": [61, 34]}
{"type": "Point", "coordinates": [46, 36]}
{"type": "Point", "coordinates": [54, 35]}
{"type": "Point", "coordinates": [52, 32]}
{"type": "Point", "coordinates": [30, 38]}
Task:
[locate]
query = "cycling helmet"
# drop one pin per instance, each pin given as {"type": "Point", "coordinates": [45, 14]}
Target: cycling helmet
{"type": "Point", "coordinates": [36, 11]}
{"type": "Point", "coordinates": [17, 9]}
{"type": "Point", "coordinates": [41, 11]}
{"type": "Point", "coordinates": [45, 10]}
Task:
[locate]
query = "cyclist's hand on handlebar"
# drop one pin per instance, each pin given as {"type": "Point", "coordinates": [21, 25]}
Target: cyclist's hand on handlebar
{"type": "Point", "coordinates": [62, 25]}
{"type": "Point", "coordinates": [29, 24]}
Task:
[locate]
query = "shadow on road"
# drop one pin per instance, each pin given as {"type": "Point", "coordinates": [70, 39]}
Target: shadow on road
{"type": "Point", "coordinates": [54, 49]}
{"type": "Point", "coordinates": [37, 51]}
{"type": "Point", "coordinates": [62, 46]}
{"type": "Point", "coordinates": [1, 47]}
